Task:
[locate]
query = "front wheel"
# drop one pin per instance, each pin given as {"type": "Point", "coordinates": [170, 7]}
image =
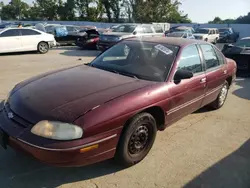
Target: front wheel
{"type": "Point", "coordinates": [43, 47]}
{"type": "Point", "coordinates": [220, 101]}
{"type": "Point", "coordinates": [136, 140]}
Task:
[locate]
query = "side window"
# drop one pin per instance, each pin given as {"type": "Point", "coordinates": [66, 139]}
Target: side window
{"type": "Point", "coordinates": [217, 31]}
{"type": "Point", "coordinates": [11, 33]}
{"type": "Point", "coordinates": [210, 56]}
{"type": "Point", "coordinates": [213, 32]}
{"type": "Point", "coordinates": [220, 56]}
{"type": "Point", "coordinates": [185, 35]}
{"type": "Point", "coordinates": [190, 60]}
{"type": "Point", "coordinates": [158, 29]}
{"type": "Point", "coordinates": [147, 29]}
{"type": "Point", "coordinates": [70, 29]}
{"type": "Point", "coordinates": [139, 30]}
{"type": "Point", "coordinates": [26, 32]}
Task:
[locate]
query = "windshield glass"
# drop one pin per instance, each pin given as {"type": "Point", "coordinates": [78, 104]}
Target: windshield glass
{"type": "Point", "coordinates": [143, 60]}
{"type": "Point", "coordinates": [202, 31]}
{"type": "Point", "coordinates": [245, 43]}
{"type": "Point", "coordinates": [176, 34]}
{"type": "Point", "coordinates": [125, 28]}
{"type": "Point", "coordinates": [223, 30]}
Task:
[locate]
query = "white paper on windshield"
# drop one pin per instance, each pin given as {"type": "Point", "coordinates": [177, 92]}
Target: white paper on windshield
{"type": "Point", "coordinates": [163, 49]}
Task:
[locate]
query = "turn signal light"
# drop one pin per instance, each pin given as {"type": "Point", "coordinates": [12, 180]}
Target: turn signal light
{"type": "Point", "coordinates": [83, 150]}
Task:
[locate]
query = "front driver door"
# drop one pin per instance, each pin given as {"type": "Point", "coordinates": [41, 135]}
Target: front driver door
{"type": "Point", "coordinates": [10, 41]}
{"type": "Point", "coordinates": [187, 95]}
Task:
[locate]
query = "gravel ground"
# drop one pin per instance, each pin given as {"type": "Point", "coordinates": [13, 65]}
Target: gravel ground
{"type": "Point", "coordinates": [208, 149]}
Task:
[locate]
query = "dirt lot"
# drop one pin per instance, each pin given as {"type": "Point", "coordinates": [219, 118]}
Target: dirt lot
{"type": "Point", "coordinates": [207, 149]}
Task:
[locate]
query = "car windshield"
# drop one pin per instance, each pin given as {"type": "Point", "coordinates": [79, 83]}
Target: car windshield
{"type": "Point", "coordinates": [176, 34]}
{"type": "Point", "coordinates": [142, 60]}
{"type": "Point", "coordinates": [245, 43]}
{"type": "Point", "coordinates": [125, 28]}
{"type": "Point", "coordinates": [223, 30]}
{"type": "Point", "coordinates": [202, 31]}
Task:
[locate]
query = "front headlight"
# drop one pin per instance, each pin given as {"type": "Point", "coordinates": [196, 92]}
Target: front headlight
{"type": "Point", "coordinates": [57, 130]}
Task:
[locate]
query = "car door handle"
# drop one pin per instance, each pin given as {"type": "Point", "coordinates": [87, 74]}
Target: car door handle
{"type": "Point", "coordinates": [203, 80]}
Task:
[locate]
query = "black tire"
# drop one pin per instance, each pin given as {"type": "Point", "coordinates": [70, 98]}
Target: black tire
{"type": "Point", "coordinates": [130, 150]}
{"type": "Point", "coordinates": [206, 39]}
{"type": "Point", "coordinates": [221, 99]}
{"type": "Point", "coordinates": [43, 47]}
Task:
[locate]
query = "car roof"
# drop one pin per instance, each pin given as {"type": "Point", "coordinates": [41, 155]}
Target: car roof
{"type": "Point", "coordinates": [168, 40]}
{"type": "Point", "coordinates": [207, 28]}
{"type": "Point", "coordinates": [245, 38]}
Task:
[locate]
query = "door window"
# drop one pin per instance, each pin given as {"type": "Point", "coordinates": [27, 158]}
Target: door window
{"type": "Point", "coordinates": [10, 33]}
{"type": "Point", "coordinates": [190, 60]}
{"type": "Point", "coordinates": [26, 32]}
{"type": "Point", "coordinates": [147, 29]}
{"type": "Point", "coordinates": [220, 56]}
{"type": "Point", "coordinates": [213, 32]}
{"type": "Point", "coordinates": [210, 56]}
{"type": "Point", "coordinates": [158, 29]}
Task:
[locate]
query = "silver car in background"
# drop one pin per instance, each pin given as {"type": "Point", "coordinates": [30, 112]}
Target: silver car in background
{"type": "Point", "coordinates": [124, 31]}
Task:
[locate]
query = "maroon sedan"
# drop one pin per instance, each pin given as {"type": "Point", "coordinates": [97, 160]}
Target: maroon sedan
{"type": "Point", "coordinates": [114, 106]}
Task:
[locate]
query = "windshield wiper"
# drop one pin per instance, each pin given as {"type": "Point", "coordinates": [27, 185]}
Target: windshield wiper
{"type": "Point", "coordinates": [128, 74]}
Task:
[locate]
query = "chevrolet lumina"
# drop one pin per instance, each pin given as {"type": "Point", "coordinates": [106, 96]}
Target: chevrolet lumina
{"type": "Point", "coordinates": [114, 106]}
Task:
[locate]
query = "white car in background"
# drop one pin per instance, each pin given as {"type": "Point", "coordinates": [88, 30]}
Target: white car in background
{"type": "Point", "coordinates": [25, 39]}
{"type": "Point", "coordinates": [207, 34]}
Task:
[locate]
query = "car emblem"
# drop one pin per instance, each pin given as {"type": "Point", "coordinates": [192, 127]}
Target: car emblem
{"type": "Point", "coordinates": [10, 115]}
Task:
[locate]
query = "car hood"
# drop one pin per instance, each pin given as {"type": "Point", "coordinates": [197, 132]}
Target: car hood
{"type": "Point", "coordinates": [236, 50]}
{"type": "Point", "coordinates": [199, 34]}
{"type": "Point", "coordinates": [68, 94]}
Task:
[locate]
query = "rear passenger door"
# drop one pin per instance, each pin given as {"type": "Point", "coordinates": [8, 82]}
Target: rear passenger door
{"type": "Point", "coordinates": [30, 39]}
{"type": "Point", "coordinates": [216, 72]}
{"type": "Point", "coordinates": [189, 93]}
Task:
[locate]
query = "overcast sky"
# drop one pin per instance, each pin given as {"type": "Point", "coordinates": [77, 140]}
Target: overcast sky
{"type": "Point", "coordinates": [203, 11]}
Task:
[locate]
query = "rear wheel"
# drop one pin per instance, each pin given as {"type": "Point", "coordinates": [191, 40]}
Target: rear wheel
{"type": "Point", "coordinates": [206, 39]}
{"type": "Point", "coordinates": [220, 101]}
{"type": "Point", "coordinates": [136, 140]}
{"type": "Point", "coordinates": [43, 47]}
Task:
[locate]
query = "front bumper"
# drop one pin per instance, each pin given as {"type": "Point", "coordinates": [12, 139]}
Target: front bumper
{"type": "Point", "coordinates": [65, 154]}
{"type": "Point", "coordinates": [52, 43]}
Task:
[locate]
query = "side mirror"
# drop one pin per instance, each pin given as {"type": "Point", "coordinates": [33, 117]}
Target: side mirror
{"type": "Point", "coordinates": [135, 32]}
{"type": "Point", "coordinates": [182, 74]}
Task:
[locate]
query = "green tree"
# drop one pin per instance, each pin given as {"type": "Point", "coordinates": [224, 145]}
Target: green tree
{"type": "Point", "coordinates": [66, 10]}
{"type": "Point", "coordinates": [47, 9]}
{"type": "Point", "coordinates": [16, 9]}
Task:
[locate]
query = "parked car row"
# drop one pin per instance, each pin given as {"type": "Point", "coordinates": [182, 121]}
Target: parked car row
{"type": "Point", "coordinates": [212, 35]}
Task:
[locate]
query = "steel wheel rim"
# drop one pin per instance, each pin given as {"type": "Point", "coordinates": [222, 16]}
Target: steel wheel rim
{"type": "Point", "coordinates": [223, 95]}
{"type": "Point", "coordinates": [43, 47]}
{"type": "Point", "coordinates": [139, 140]}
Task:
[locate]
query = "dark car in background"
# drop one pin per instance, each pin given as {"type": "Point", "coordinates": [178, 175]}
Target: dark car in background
{"type": "Point", "coordinates": [240, 52]}
{"type": "Point", "coordinates": [88, 40]}
{"type": "Point", "coordinates": [228, 35]}
{"type": "Point", "coordinates": [114, 106]}
{"type": "Point", "coordinates": [124, 31]}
